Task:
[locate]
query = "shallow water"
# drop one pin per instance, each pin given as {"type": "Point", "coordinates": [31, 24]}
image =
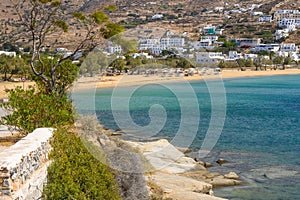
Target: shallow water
{"type": "Point", "coordinates": [260, 137]}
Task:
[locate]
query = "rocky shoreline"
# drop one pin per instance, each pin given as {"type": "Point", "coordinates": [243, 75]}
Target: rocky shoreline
{"type": "Point", "coordinates": [179, 176]}
{"type": "Point", "coordinates": [156, 168]}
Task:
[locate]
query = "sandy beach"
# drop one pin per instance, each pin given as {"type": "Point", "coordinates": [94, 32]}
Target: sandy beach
{"type": "Point", "coordinates": [132, 80]}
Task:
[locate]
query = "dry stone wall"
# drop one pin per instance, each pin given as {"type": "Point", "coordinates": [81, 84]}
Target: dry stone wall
{"type": "Point", "coordinates": [23, 166]}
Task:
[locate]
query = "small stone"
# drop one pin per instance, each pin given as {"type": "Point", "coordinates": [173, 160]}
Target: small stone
{"type": "Point", "coordinates": [231, 175]}
{"type": "Point", "coordinates": [207, 164]}
{"type": "Point", "coordinates": [221, 161]}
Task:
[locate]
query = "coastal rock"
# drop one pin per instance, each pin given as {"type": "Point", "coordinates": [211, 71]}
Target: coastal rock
{"type": "Point", "coordinates": [180, 187]}
{"type": "Point", "coordinates": [221, 161]}
{"type": "Point", "coordinates": [165, 157]}
{"type": "Point", "coordinates": [231, 175]}
{"type": "Point", "coordinates": [220, 181]}
{"type": "Point", "coordinates": [207, 164]}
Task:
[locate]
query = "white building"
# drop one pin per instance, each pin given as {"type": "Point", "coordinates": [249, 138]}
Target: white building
{"type": "Point", "coordinates": [219, 31]}
{"type": "Point", "coordinates": [289, 47]}
{"type": "Point", "coordinates": [297, 22]}
{"type": "Point", "coordinates": [218, 9]}
{"type": "Point", "coordinates": [266, 47]}
{"type": "Point", "coordinates": [172, 41]}
{"type": "Point", "coordinates": [265, 18]}
{"type": "Point", "coordinates": [289, 23]}
{"type": "Point", "coordinates": [210, 37]}
{"type": "Point", "coordinates": [290, 14]}
{"type": "Point", "coordinates": [208, 29]}
{"type": "Point", "coordinates": [281, 34]}
{"type": "Point", "coordinates": [234, 55]}
{"type": "Point", "coordinates": [157, 16]}
{"type": "Point", "coordinates": [248, 41]}
{"type": "Point", "coordinates": [9, 53]}
{"type": "Point", "coordinates": [151, 44]}
{"type": "Point", "coordinates": [251, 56]}
{"type": "Point", "coordinates": [143, 54]}
{"type": "Point", "coordinates": [153, 48]}
{"type": "Point", "coordinates": [256, 13]}
{"type": "Point", "coordinates": [157, 45]}
{"type": "Point", "coordinates": [149, 41]}
{"type": "Point", "coordinates": [113, 48]}
{"type": "Point", "coordinates": [209, 57]}
{"type": "Point", "coordinates": [61, 50]}
{"type": "Point", "coordinates": [203, 44]}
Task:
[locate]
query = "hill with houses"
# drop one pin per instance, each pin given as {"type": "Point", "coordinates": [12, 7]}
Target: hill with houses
{"type": "Point", "coordinates": [233, 28]}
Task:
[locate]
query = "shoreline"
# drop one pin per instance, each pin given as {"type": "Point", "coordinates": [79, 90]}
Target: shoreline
{"type": "Point", "coordinates": [85, 83]}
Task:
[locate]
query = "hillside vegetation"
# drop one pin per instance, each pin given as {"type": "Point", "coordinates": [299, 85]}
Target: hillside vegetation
{"type": "Point", "coordinates": [179, 16]}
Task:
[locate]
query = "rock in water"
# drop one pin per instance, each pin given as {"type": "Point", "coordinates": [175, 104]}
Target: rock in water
{"type": "Point", "coordinates": [231, 175]}
{"type": "Point", "coordinates": [207, 164]}
{"type": "Point", "coordinates": [221, 161]}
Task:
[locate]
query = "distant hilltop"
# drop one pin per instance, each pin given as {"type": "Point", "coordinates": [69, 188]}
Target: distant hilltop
{"type": "Point", "coordinates": [239, 19]}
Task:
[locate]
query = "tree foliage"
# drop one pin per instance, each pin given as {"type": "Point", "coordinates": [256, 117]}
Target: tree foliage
{"type": "Point", "coordinates": [66, 73]}
{"type": "Point", "coordinates": [10, 66]}
{"type": "Point", "coordinates": [31, 109]}
{"type": "Point", "coordinates": [44, 20]}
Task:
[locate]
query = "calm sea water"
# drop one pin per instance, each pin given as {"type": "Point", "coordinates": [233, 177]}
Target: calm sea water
{"type": "Point", "coordinates": [260, 137]}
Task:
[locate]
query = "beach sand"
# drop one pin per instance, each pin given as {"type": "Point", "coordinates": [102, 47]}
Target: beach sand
{"type": "Point", "coordinates": [12, 85]}
{"type": "Point", "coordinates": [133, 80]}
{"type": "Point", "coordinates": [130, 80]}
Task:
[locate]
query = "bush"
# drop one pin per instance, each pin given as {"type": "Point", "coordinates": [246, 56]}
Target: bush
{"type": "Point", "coordinates": [31, 109]}
{"type": "Point", "coordinates": [75, 173]}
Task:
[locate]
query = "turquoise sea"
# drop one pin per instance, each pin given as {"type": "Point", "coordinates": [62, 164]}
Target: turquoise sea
{"type": "Point", "coordinates": [260, 138]}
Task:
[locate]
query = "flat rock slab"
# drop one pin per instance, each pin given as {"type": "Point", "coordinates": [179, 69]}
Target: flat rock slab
{"type": "Point", "coordinates": [180, 187]}
{"type": "Point", "coordinates": [2, 148]}
{"type": "Point", "coordinates": [163, 156]}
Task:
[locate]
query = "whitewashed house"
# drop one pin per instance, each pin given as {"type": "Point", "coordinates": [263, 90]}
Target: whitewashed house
{"type": "Point", "coordinates": [266, 47]}
{"type": "Point", "coordinates": [219, 31]}
{"type": "Point", "coordinates": [250, 55]}
{"type": "Point", "coordinates": [252, 42]}
{"type": "Point", "coordinates": [281, 34]}
{"type": "Point", "coordinates": [265, 18]}
{"type": "Point", "coordinates": [143, 54]}
{"type": "Point", "coordinates": [256, 13]}
{"type": "Point", "coordinates": [289, 14]}
{"type": "Point", "coordinates": [289, 47]}
{"type": "Point", "coordinates": [208, 44]}
{"type": "Point", "coordinates": [114, 48]}
{"type": "Point", "coordinates": [8, 53]}
{"type": "Point", "coordinates": [208, 29]}
{"type": "Point", "coordinates": [209, 57]}
{"type": "Point", "coordinates": [234, 55]}
{"type": "Point", "coordinates": [151, 44]}
{"type": "Point", "coordinates": [219, 9]}
{"type": "Point", "coordinates": [213, 38]}
{"type": "Point", "coordinates": [157, 16]}
{"type": "Point", "coordinates": [289, 23]}
{"type": "Point", "coordinates": [172, 41]}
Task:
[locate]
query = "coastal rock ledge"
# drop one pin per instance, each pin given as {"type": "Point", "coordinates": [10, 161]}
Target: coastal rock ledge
{"type": "Point", "coordinates": [179, 176]}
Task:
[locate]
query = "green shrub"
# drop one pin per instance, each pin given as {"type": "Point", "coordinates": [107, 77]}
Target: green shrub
{"type": "Point", "coordinates": [251, 29]}
{"type": "Point", "coordinates": [75, 173]}
{"type": "Point", "coordinates": [31, 109]}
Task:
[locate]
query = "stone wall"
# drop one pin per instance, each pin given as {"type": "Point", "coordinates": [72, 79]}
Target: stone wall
{"type": "Point", "coordinates": [23, 166]}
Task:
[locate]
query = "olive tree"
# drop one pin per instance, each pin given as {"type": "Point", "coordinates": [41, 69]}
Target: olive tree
{"type": "Point", "coordinates": [43, 22]}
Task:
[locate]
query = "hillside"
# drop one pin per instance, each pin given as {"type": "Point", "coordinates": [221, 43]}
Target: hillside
{"type": "Point", "coordinates": [178, 16]}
